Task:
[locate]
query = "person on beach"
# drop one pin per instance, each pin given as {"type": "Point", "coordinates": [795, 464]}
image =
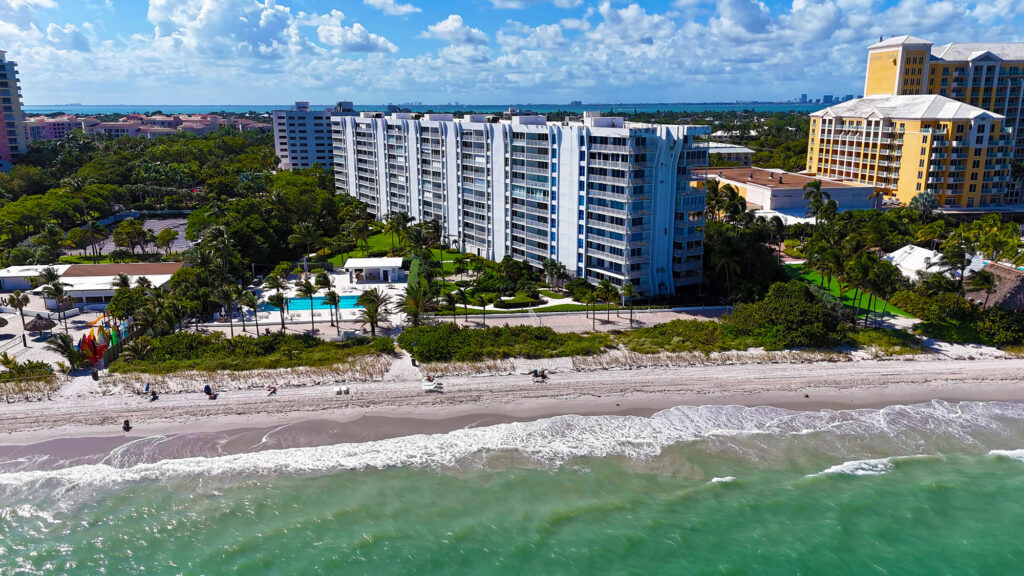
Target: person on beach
{"type": "Point", "coordinates": [272, 390]}
{"type": "Point", "coordinates": [208, 390]}
{"type": "Point", "coordinates": [153, 397]}
{"type": "Point", "coordinates": [127, 426]}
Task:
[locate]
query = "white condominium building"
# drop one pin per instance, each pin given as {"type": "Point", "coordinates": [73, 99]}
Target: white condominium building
{"type": "Point", "coordinates": [607, 198]}
{"type": "Point", "coordinates": [12, 132]}
{"type": "Point", "coordinates": [302, 136]}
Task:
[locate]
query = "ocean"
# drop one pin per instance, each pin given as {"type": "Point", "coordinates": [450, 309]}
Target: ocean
{"type": "Point", "coordinates": [84, 110]}
{"type": "Point", "coordinates": [931, 489]}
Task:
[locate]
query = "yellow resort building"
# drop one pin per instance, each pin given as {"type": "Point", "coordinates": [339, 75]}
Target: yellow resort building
{"type": "Point", "coordinates": [904, 145]}
{"type": "Point", "coordinates": [989, 75]}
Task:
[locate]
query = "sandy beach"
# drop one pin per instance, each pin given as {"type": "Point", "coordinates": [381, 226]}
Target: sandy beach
{"type": "Point", "coordinates": [79, 425]}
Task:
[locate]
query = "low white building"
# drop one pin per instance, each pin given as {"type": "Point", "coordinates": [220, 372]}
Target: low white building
{"type": "Point", "coordinates": [914, 261]}
{"type": "Point", "coordinates": [781, 191]}
{"type": "Point", "coordinates": [374, 270]}
{"type": "Point", "coordinates": [20, 277]}
{"type": "Point", "coordinates": [731, 152]}
{"type": "Point", "coordinates": [91, 286]}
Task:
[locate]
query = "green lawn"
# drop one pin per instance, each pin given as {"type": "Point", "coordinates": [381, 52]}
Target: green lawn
{"type": "Point", "coordinates": [376, 242]}
{"type": "Point", "coordinates": [552, 295]}
{"type": "Point", "coordinates": [382, 241]}
{"type": "Point", "coordinates": [79, 259]}
{"type": "Point", "coordinates": [813, 277]}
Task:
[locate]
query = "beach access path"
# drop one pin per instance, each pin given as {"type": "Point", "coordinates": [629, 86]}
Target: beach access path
{"type": "Point", "coordinates": [476, 400]}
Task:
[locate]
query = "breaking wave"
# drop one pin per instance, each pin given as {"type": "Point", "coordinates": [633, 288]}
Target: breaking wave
{"type": "Point", "coordinates": [759, 433]}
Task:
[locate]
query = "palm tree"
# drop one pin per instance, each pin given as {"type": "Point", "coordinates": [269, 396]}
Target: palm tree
{"type": "Point", "coordinates": [59, 294]}
{"type": "Point", "coordinates": [984, 280]}
{"type": "Point", "coordinates": [248, 299]}
{"type": "Point", "coordinates": [333, 300]}
{"type": "Point", "coordinates": [305, 234]}
{"type": "Point", "coordinates": [375, 308]}
{"type": "Point", "coordinates": [96, 232]}
{"type": "Point", "coordinates": [415, 301]}
{"type": "Point", "coordinates": [122, 281]}
{"type": "Point", "coordinates": [307, 289]}
{"type": "Point", "coordinates": [279, 301]}
{"type": "Point", "coordinates": [137, 350]}
{"type": "Point", "coordinates": [588, 299]}
{"type": "Point", "coordinates": [48, 275]}
{"type": "Point", "coordinates": [815, 197]}
{"type": "Point", "coordinates": [627, 296]}
{"type": "Point", "coordinates": [451, 300]}
{"type": "Point", "coordinates": [63, 345]}
{"type": "Point", "coordinates": [225, 296]}
{"type": "Point", "coordinates": [481, 300]}
{"type": "Point", "coordinates": [463, 298]}
{"type": "Point", "coordinates": [19, 300]}
{"type": "Point", "coordinates": [274, 282]}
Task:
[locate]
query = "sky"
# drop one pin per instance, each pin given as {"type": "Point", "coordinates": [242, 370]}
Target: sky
{"type": "Point", "coordinates": [471, 51]}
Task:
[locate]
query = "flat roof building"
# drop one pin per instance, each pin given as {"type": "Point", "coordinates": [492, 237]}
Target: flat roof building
{"type": "Point", "coordinates": [731, 153]}
{"type": "Point", "coordinates": [783, 192]}
{"type": "Point", "coordinates": [609, 199]}
{"type": "Point", "coordinates": [89, 285]}
{"type": "Point", "coordinates": [13, 141]}
{"type": "Point", "coordinates": [302, 135]}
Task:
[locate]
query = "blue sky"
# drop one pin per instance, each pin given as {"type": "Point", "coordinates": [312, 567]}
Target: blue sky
{"type": "Point", "coordinates": [476, 51]}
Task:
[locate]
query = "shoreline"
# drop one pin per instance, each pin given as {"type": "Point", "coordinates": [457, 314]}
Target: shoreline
{"type": "Point", "coordinates": [90, 424]}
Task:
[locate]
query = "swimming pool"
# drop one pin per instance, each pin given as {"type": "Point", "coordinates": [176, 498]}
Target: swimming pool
{"type": "Point", "coordinates": [302, 304]}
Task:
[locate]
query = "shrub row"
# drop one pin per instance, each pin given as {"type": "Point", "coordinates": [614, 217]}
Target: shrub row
{"type": "Point", "coordinates": [447, 342]}
{"type": "Point", "coordinates": [191, 351]}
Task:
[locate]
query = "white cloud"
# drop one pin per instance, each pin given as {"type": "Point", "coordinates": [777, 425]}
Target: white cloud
{"type": "Point", "coordinates": [618, 50]}
{"type": "Point", "coordinates": [68, 37]}
{"type": "Point", "coordinates": [520, 4]}
{"type": "Point", "coordinates": [453, 30]}
{"type": "Point", "coordinates": [390, 7]}
{"type": "Point", "coordinates": [518, 37]}
{"type": "Point", "coordinates": [18, 13]}
{"type": "Point", "coordinates": [354, 38]}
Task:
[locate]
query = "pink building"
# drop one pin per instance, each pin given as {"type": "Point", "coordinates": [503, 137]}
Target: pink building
{"type": "Point", "coordinates": [43, 128]}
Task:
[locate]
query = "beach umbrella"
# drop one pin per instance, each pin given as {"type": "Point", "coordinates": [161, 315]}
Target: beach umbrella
{"type": "Point", "coordinates": [40, 324]}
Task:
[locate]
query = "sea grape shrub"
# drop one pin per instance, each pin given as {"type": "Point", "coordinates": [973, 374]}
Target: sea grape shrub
{"type": "Point", "coordinates": [447, 343]}
{"type": "Point", "coordinates": [791, 315]}
{"type": "Point", "coordinates": [191, 351]}
{"type": "Point", "coordinates": [1002, 327]}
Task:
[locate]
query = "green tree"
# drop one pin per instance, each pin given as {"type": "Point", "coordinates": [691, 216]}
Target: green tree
{"type": "Point", "coordinates": [19, 301]}
{"type": "Point", "coordinates": [627, 296]}
{"type": "Point", "coordinates": [375, 308]}
{"type": "Point", "coordinates": [307, 289]}
{"type": "Point", "coordinates": [165, 239]}
{"type": "Point", "coordinates": [62, 299]}
{"type": "Point", "coordinates": [63, 345]}
{"type": "Point", "coordinates": [225, 296]}
{"type": "Point", "coordinates": [416, 300]}
{"type": "Point", "coordinates": [280, 302]}
{"type": "Point", "coordinates": [248, 299]}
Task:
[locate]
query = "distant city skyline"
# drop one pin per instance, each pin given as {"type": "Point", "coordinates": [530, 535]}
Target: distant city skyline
{"type": "Point", "coordinates": [474, 51]}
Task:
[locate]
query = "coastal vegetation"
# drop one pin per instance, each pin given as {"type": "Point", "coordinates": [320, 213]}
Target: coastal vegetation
{"type": "Point", "coordinates": [208, 352]}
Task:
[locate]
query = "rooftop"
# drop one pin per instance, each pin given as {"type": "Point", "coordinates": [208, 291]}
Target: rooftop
{"type": "Point", "coordinates": [30, 271]}
{"type": "Point", "coordinates": [136, 269]}
{"type": "Point", "coordinates": [769, 178]}
{"type": "Point", "coordinates": [392, 262]}
{"type": "Point", "coordinates": [920, 107]}
{"type": "Point", "coordinates": [898, 41]}
{"type": "Point", "coordinates": [972, 50]}
{"type": "Point", "coordinates": [725, 148]}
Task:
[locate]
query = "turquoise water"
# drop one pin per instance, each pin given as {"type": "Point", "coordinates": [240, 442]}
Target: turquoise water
{"type": "Point", "coordinates": [911, 490]}
{"type": "Point", "coordinates": [302, 304]}
{"type": "Point", "coordinates": [482, 108]}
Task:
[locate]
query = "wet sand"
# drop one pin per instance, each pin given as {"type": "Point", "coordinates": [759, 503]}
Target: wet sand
{"type": "Point", "coordinates": [89, 426]}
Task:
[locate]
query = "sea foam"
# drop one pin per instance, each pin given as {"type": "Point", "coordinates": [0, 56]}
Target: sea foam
{"type": "Point", "coordinates": [760, 432]}
{"type": "Point", "coordinates": [1013, 454]}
